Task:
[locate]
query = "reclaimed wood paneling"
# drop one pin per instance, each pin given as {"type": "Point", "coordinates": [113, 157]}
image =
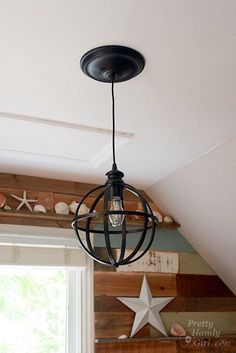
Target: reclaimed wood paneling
{"type": "Point", "coordinates": [182, 347]}
{"type": "Point", "coordinates": [53, 185]}
{"type": "Point", "coordinates": [113, 325]}
{"type": "Point", "coordinates": [210, 304]}
{"type": "Point", "coordinates": [129, 284]}
{"type": "Point", "coordinates": [28, 220]}
{"type": "Point", "coordinates": [193, 263]}
{"type": "Point", "coordinates": [223, 344]}
{"type": "Point", "coordinates": [68, 198]}
{"type": "Point", "coordinates": [43, 198]}
{"type": "Point", "coordinates": [50, 191]}
{"type": "Point", "coordinates": [223, 322]}
{"type": "Point", "coordinates": [201, 286]}
{"type": "Point", "coordinates": [44, 184]}
{"type": "Point", "coordinates": [189, 262]}
{"type": "Point", "coordinates": [206, 298]}
{"type": "Point", "coordinates": [187, 304]}
{"type": "Point", "coordinates": [137, 347]}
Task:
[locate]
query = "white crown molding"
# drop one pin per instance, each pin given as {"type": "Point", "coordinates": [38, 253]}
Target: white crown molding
{"type": "Point", "coordinates": [58, 123]}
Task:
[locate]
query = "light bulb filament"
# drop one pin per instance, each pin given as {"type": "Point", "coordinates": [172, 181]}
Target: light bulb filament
{"type": "Point", "coordinates": [116, 205]}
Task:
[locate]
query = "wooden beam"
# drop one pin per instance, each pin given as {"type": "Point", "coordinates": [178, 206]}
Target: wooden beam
{"type": "Point", "coordinates": [201, 286]}
{"type": "Point", "coordinates": [115, 324]}
{"type": "Point", "coordinates": [49, 192]}
{"type": "Point", "coordinates": [179, 304]}
{"type": "Point", "coordinates": [136, 347]}
{"type": "Point", "coordinates": [110, 325]}
{"type": "Point", "coordinates": [129, 284]}
{"type": "Point", "coordinates": [24, 182]}
{"type": "Point", "coordinates": [223, 344]}
{"type": "Point", "coordinates": [51, 219]}
{"type": "Point", "coordinates": [44, 184]}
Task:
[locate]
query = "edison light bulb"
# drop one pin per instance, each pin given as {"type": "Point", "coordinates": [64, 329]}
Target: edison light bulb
{"type": "Point", "coordinates": [116, 205]}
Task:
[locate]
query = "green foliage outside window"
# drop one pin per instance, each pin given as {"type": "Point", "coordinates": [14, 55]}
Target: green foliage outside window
{"type": "Point", "coordinates": [32, 310]}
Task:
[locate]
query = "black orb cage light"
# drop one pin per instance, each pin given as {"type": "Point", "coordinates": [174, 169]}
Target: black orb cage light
{"type": "Point", "coordinates": [109, 216]}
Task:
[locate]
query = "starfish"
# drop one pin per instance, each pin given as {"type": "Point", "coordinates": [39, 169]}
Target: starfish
{"type": "Point", "coordinates": [24, 201]}
{"type": "Point", "coordinates": [146, 309]}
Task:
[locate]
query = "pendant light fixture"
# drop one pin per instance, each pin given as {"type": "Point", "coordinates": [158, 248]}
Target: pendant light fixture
{"type": "Point", "coordinates": [126, 234]}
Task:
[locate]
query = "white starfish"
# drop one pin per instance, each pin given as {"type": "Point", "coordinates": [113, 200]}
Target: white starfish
{"type": "Point", "coordinates": [147, 309]}
{"type": "Point", "coordinates": [24, 201]}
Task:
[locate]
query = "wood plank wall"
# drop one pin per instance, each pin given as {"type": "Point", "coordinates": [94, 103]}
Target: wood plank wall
{"type": "Point", "coordinates": [48, 192]}
{"type": "Point", "coordinates": [137, 347]}
{"type": "Point", "coordinates": [228, 346]}
{"type": "Point", "coordinates": [199, 293]}
{"type": "Point", "coordinates": [197, 297]}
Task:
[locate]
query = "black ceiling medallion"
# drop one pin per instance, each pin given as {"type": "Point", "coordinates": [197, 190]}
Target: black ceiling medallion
{"type": "Point", "coordinates": [125, 233]}
{"type": "Point", "coordinates": [112, 63]}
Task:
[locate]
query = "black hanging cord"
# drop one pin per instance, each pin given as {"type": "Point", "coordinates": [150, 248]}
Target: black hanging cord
{"type": "Point", "coordinates": [113, 124]}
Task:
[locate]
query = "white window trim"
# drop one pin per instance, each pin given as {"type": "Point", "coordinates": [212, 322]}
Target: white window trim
{"type": "Point", "coordinates": [88, 331]}
{"type": "Point", "coordinates": [42, 256]}
{"type": "Point", "coordinates": [56, 247]}
{"type": "Point", "coordinates": [38, 236]}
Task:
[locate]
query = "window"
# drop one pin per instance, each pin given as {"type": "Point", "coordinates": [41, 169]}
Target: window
{"type": "Point", "coordinates": [33, 310]}
{"type": "Point", "coordinates": [45, 294]}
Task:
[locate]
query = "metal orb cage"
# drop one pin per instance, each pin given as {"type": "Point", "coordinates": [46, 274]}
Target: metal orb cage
{"type": "Point", "coordinates": [96, 222]}
{"type": "Point", "coordinates": [129, 239]}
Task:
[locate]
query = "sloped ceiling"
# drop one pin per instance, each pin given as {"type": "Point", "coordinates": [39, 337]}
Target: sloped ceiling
{"type": "Point", "coordinates": [55, 122]}
{"type": "Point", "coordinates": [202, 197]}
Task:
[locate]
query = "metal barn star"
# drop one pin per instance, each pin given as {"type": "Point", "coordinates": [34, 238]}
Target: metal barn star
{"type": "Point", "coordinates": [147, 309]}
{"type": "Point", "coordinates": [24, 201]}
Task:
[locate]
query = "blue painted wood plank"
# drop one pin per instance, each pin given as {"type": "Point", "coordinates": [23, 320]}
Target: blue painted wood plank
{"type": "Point", "coordinates": [165, 239]}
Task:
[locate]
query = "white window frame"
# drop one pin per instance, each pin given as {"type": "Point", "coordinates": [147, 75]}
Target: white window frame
{"type": "Point", "coordinates": [79, 285]}
{"type": "Point", "coordinates": [58, 247]}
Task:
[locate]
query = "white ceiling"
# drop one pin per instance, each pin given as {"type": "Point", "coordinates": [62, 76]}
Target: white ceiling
{"type": "Point", "coordinates": [201, 196]}
{"type": "Point", "coordinates": [180, 107]}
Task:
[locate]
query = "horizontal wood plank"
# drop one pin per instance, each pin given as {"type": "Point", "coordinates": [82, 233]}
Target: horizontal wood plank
{"type": "Point", "coordinates": [113, 325]}
{"type": "Point", "coordinates": [223, 322]}
{"type": "Point", "coordinates": [51, 219]}
{"type": "Point", "coordinates": [200, 347]}
{"type": "Point", "coordinates": [37, 222]}
{"type": "Point", "coordinates": [136, 347]}
{"type": "Point", "coordinates": [193, 263]}
{"type": "Point", "coordinates": [179, 304]}
{"type": "Point", "coordinates": [129, 284]}
{"type": "Point", "coordinates": [43, 198]}
{"type": "Point", "coordinates": [52, 185]}
{"type": "Point", "coordinates": [43, 184]}
{"type": "Point", "coordinates": [50, 191]}
{"type": "Point", "coordinates": [201, 286]}
{"type": "Point", "coordinates": [223, 344]}
{"type": "Point", "coordinates": [112, 304]}
{"type": "Point", "coordinates": [68, 198]}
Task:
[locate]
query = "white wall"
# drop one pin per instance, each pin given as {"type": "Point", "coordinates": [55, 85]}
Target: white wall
{"type": "Point", "coordinates": [202, 198]}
